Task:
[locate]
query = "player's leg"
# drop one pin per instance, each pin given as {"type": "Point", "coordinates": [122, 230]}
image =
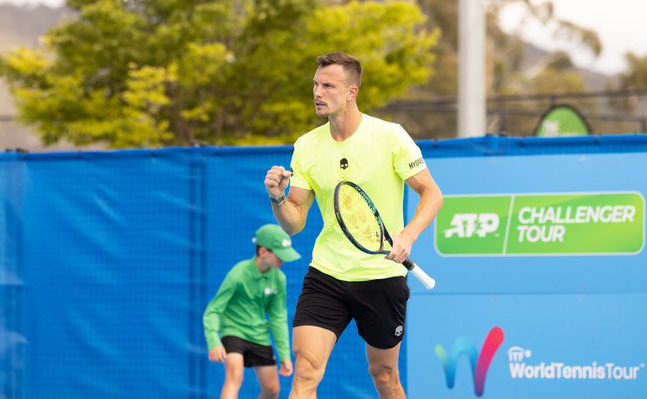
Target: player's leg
{"type": "Point", "coordinates": [234, 372]}
{"type": "Point", "coordinates": [268, 379]}
{"type": "Point", "coordinates": [312, 348]}
{"type": "Point", "coordinates": [383, 367]}
{"type": "Point", "coordinates": [379, 308]}
{"type": "Point", "coordinates": [321, 317]}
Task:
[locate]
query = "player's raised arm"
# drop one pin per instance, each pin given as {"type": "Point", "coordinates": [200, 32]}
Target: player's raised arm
{"type": "Point", "coordinates": [291, 212]}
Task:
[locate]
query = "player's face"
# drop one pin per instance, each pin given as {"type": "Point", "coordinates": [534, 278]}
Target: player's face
{"type": "Point", "coordinates": [332, 90]}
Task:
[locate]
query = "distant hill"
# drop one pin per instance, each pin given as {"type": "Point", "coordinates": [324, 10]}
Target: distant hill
{"type": "Point", "coordinates": [594, 81]}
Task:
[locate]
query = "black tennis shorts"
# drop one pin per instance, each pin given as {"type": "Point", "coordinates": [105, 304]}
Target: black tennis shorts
{"type": "Point", "coordinates": [253, 354]}
{"type": "Point", "coordinates": [379, 307]}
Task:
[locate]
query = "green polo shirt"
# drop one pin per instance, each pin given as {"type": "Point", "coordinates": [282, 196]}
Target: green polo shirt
{"type": "Point", "coordinates": [379, 157]}
{"type": "Point", "coordinates": [242, 305]}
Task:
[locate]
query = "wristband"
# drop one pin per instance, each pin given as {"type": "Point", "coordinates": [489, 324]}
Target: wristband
{"type": "Point", "coordinates": [278, 201]}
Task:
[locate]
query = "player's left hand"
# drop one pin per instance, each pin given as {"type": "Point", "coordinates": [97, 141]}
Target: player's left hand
{"type": "Point", "coordinates": [286, 368]}
{"type": "Point", "coordinates": [401, 250]}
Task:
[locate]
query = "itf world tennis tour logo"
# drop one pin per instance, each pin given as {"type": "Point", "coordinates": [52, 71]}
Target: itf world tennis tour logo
{"type": "Point", "coordinates": [523, 366]}
{"type": "Point", "coordinates": [479, 362]}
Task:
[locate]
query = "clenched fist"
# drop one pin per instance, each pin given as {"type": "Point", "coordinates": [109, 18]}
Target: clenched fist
{"type": "Point", "coordinates": [277, 181]}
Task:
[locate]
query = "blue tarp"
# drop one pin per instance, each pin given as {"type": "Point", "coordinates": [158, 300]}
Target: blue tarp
{"type": "Point", "coordinates": [107, 260]}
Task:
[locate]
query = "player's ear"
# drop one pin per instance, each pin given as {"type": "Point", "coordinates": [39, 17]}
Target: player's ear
{"type": "Point", "coordinates": [353, 92]}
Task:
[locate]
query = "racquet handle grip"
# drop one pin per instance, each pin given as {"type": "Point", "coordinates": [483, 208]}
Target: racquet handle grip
{"type": "Point", "coordinates": [420, 274]}
{"type": "Point", "coordinates": [408, 263]}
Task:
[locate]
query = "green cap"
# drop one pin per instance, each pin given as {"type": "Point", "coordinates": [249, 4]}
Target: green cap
{"type": "Point", "coordinates": [272, 237]}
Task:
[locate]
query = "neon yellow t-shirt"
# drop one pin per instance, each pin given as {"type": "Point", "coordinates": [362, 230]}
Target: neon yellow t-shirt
{"type": "Point", "coordinates": [378, 157]}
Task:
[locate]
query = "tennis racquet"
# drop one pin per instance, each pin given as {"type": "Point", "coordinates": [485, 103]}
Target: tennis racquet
{"type": "Point", "coordinates": [363, 226]}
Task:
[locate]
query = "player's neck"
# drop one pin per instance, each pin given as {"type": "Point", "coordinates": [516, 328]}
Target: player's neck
{"type": "Point", "coordinates": [344, 124]}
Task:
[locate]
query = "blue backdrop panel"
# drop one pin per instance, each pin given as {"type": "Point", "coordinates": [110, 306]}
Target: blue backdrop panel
{"type": "Point", "coordinates": [106, 258]}
{"type": "Point", "coordinates": [545, 174]}
{"type": "Point", "coordinates": [236, 205]}
{"type": "Point", "coordinates": [109, 259]}
{"type": "Point", "coordinates": [12, 335]}
{"type": "Point", "coordinates": [568, 345]}
{"type": "Point", "coordinates": [582, 314]}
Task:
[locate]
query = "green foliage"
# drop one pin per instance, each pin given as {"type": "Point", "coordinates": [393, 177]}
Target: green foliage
{"type": "Point", "coordinates": [153, 73]}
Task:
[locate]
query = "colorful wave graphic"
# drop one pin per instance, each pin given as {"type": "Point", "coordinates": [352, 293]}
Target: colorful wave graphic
{"type": "Point", "coordinates": [479, 363]}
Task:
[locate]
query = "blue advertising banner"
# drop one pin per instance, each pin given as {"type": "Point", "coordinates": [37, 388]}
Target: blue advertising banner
{"type": "Point", "coordinates": [540, 267]}
{"type": "Point", "coordinates": [549, 346]}
{"type": "Point", "coordinates": [108, 260]}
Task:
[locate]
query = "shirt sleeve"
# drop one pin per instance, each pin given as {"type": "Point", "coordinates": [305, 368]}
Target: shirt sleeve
{"type": "Point", "coordinates": [407, 157]}
{"type": "Point", "coordinates": [278, 315]}
{"type": "Point", "coordinates": [299, 178]}
{"type": "Point", "coordinates": [213, 313]}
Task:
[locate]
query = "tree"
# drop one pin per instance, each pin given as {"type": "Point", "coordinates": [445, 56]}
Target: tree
{"type": "Point", "coordinates": [143, 73]}
{"type": "Point", "coordinates": [505, 52]}
{"type": "Point", "coordinates": [636, 76]}
{"type": "Point", "coordinates": [506, 69]}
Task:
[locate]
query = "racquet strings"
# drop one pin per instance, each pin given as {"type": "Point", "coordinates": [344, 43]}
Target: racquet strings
{"type": "Point", "coordinates": [359, 219]}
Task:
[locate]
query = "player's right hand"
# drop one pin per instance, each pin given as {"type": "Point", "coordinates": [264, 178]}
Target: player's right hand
{"type": "Point", "coordinates": [218, 354]}
{"type": "Point", "coordinates": [277, 181]}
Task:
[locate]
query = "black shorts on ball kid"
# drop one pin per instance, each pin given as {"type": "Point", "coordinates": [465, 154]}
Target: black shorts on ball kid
{"type": "Point", "coordinates": [379, 307]}
{"type": "Point", "coordinates": [254, 355]}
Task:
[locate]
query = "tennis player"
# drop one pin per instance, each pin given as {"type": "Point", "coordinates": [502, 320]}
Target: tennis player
{"type": "Point", "coordinates": [235, 323]}
{"type": "Point", "coordinates": [342, 282]}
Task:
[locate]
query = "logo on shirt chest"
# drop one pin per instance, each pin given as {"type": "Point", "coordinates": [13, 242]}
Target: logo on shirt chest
{"type": "Point", "coordinates": [343, 163]}
{"type": "Point", "coordinates": [269, 291]}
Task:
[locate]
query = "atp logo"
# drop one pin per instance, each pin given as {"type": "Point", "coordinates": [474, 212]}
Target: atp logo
{"type": "Point", "coordinates": [466, 225]}
{"type": "Point", "coordinates": [479, 363]}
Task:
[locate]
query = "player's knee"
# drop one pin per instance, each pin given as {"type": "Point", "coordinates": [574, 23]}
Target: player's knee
{"type": "Point", "coordinates": [309, 370]}
{"type": "Point", "coordinates": [384, 377]}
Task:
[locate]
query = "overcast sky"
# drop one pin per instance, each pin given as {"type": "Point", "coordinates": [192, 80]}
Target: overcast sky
{"type": "Point", "coordinates": [52, 3]}
{"type": "Point", "coordinates": [620, 24]}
